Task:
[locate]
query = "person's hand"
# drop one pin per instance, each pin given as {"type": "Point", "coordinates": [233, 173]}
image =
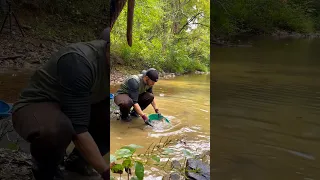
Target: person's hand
{"type": "Point", "coordinates": [146, 120]}
{"type": "Point", "coordinates": [106, 174]}
{"type": "Point", "coordinates": [158, 112]}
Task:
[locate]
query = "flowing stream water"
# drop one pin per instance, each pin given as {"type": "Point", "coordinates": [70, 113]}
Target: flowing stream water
{"type": "Point", "coordinates": [265, 110]}
{"type": "Point", "coordinates": [185, 101]}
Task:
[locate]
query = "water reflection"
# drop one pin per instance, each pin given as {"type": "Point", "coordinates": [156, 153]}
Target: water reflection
{"type": "Point", "coordinates": [265, 110]}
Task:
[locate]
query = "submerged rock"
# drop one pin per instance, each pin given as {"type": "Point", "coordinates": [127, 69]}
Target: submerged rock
{"type": "Point", "coordinates": [197, 170]}
{"type": "Point", "coordinates": [15, 165]}
{"type": "Point", "coordinates": [176, 164]}
{"type": "Point", "coordinates": [174, 176]}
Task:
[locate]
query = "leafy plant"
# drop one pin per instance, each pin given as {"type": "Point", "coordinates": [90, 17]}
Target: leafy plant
{"type": "Point", "coordinates": [126, 160]}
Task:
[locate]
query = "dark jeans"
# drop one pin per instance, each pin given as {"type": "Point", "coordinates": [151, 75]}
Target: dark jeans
{"type": "Point", "coordinates": [125, 102]}
{"type": "Point", "coordinates": [49, 131]}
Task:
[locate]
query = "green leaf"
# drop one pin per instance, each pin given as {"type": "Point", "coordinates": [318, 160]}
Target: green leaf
{"type": "Point", "coordinates": [112, 158]}
{"type": "Point", "coordinates": [126, 163]}
{"type": "Point", "coordinates": [134, 178]}
{"type": "Point", "coordinates": [168, 151]}
{"type": "Point", "coordinates": [139, 170]}
{"type": "Point", "coordinates": [118, 168]}
{"type": "Point", "coordinates": [135, 146]}
{"type": "Point", "coordinates": [132, 150]}
{"type": "Point", "coordinates": [156, 158]}
{"type": "Point", "coordinates": [123, 153]}
{"type": "Point", "coordinates": [187, 153]}
{"type": "Point", "coordinates": [132, 147]}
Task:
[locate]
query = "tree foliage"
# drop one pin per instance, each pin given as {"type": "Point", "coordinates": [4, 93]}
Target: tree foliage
{"type": "Point", "coordinates": [170, 35]}
{"type": "Point", "coordinates": [234, 17]}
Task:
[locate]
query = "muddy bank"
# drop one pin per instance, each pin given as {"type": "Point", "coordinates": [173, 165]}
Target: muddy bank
{"type": "Point", "coordinates": [25, 53]}
{"type": "Point", "coordinates": [244, 40]}
{"type": "Point", "coordinates": [16, 165]}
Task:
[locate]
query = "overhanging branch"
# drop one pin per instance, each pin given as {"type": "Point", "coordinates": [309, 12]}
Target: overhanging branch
{"type": "Point", "coordinates": [188, 22]}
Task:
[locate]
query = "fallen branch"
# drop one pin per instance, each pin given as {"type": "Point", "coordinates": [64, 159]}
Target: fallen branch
{"type": "Point", "coordinates": [11, 57]}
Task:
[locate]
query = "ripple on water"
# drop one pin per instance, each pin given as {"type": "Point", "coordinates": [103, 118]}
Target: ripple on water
{"type": "Point", "coordinates": [181, 131]}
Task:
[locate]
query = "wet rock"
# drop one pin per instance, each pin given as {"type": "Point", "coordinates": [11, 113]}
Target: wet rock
{"type": "Point", "coordinates": [15, 165]}
{"type": "Point", "coordinates": [174, 176]}
{"type": "Point", "coordinates": [166, 177]}
{"type": "Point", "coordinates": [176, 164]}
{"type": "Point", "coordinates": [200, 72]}
{"type": "Point", "coordinates": [206, 152]}
{"type": "Point", "coordinates": [197, 170]}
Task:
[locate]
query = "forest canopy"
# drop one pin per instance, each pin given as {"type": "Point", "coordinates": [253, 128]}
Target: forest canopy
{"type": "Point", "coordinates": [170, 35]}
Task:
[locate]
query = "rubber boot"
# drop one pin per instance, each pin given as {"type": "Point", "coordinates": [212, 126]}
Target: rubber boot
{"type": "Point", "coordinates": [44, 172]}
{"type": "Point", "coordinates": [126, 118]}
{"type": "Point", "coordinates": [134, 113]}
{"type": "Point", "coordinates": [75, 163]}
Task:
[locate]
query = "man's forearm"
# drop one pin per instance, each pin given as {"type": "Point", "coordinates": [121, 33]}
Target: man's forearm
{"type": "Point", "coordinates": [89, 150]}
{"type": "Point", "coordinates": [138, 110]}
{"type": "Point", "coordinates": [154, 105]}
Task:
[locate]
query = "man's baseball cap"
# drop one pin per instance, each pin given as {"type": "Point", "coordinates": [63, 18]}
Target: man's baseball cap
{"type": "Point", "coordinates": [152, 74]}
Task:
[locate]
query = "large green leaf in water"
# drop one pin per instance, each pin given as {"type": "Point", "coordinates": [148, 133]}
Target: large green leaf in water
{"type": "Point", "coordinates": [139, 170]}
{"type": "Point", "coordinates": [123, 153]}
{"type": "Point", "coordinates": [112, 158]}
{"type": "Point", "coordinates": [156, 158]}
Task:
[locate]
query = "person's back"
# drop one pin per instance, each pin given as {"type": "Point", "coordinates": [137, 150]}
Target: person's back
{"type": "Point", "coordinates": [45, 86]}
{"type": "Point", "coordinates": [133, 81]}
{"type": "Point", "coordinates": [66, 101]}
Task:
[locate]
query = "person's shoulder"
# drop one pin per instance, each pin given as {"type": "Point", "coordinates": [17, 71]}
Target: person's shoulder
{"type": "Point", "coordinates": [93, 43]}
{"type": "Point", "coordinates": [133, 78]}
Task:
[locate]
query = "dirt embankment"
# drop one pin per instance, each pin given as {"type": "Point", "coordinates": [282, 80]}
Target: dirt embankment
{"type": "Point", "coordinates": [28, 53]}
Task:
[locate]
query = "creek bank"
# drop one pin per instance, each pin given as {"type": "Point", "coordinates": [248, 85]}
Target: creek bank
{"type": "Point", "coordinates": [26, 52]}
{"type": "Point", "coordinates": [16, 165]}
{"type": "Point", "coordinates": [243, 40]}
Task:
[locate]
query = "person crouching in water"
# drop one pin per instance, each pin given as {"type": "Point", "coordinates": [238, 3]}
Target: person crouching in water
{"type": "Point", "coordinates": [137, 91]}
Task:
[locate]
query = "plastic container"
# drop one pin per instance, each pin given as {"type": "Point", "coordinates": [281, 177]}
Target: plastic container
{"type": "Point", "coordinates": [5, 109]}
{"type": "Point", "coordinates": [156, 117]}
